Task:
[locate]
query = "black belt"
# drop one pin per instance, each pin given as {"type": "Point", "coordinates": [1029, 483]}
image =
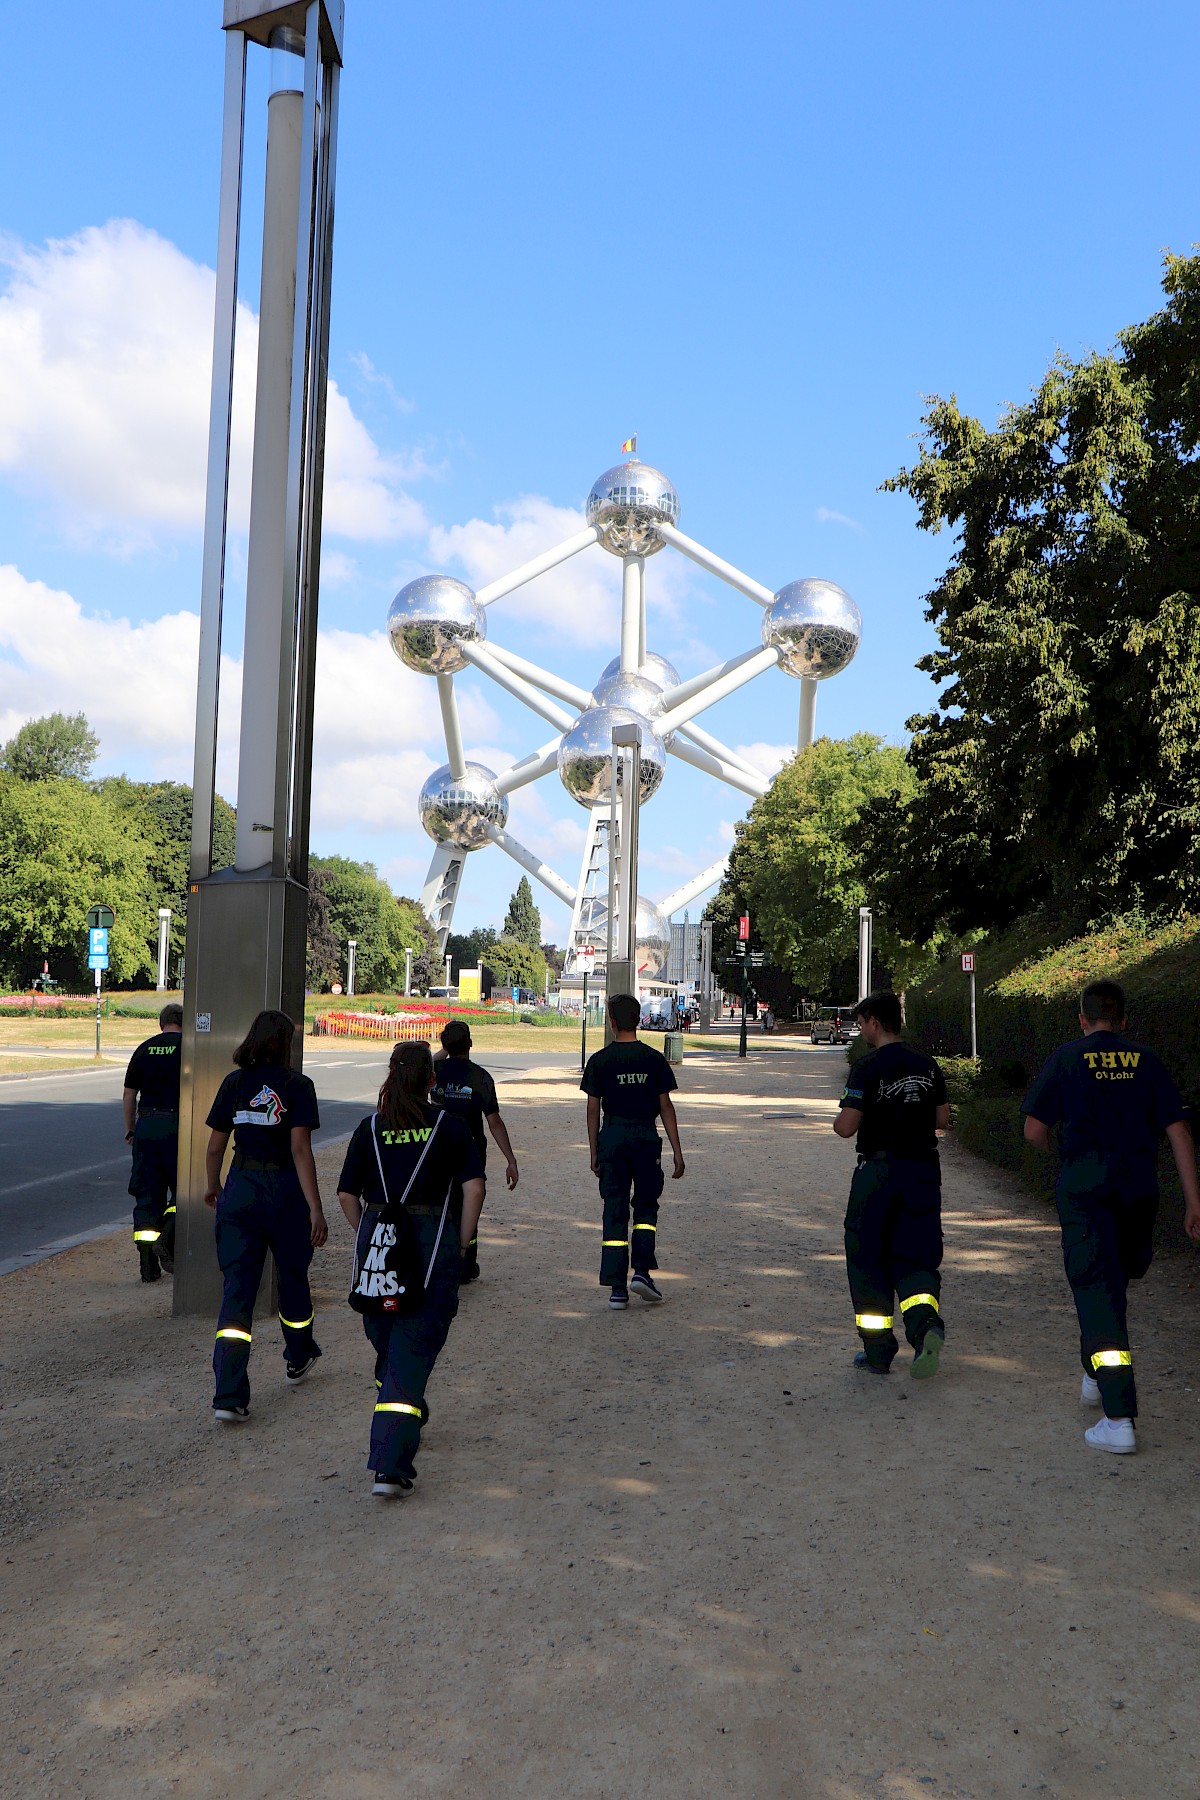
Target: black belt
{"type": "Point", "coordinates": [256, 1165]}
{"type": "Point", "coordinates": [928, 1157]}
{"type": "Point", "coordinates": [158, 1112]}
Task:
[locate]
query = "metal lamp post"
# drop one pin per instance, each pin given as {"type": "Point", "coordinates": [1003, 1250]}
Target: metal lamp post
{"type": "Point", "coordinates": [865, 925]}
{"type": "Point", "coordinates": [408, 956]}
{"type": "Point", "coordinates": [351, 958]}
{"type": "Point", "coordinates": [247, 926]}
{"type": "Point", "coordinates": [620, 970]}
{"type": "Point", "coordinates": [164, 945]}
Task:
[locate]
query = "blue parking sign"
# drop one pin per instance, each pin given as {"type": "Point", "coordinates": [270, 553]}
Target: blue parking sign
{"type": "Point", "coordinates": [98, 942]}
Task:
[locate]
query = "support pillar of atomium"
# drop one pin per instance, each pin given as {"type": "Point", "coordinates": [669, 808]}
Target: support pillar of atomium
{"type": "Point", "coordinates": [247, 926]}
{"type": "Point", "coordinates": [620, 963]}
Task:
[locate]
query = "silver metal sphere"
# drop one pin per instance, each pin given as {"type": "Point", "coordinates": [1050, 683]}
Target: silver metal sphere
{"type": "Point", "coordinates": [459, 811]}
{"type": "Point", "coordinates": [585, 755]}
{"type": "Point", "coordinates": [428, 618]}
{"type": "Point", "coordinates": [636, 695]}
{"type": "Point", "coordinates": [656, 668]}
{"type": "Point", "coordinates": [628, 503]}
{"type": "Point", "coordinates": [653, 933]}
{"type": "Point", "coordinates": [815, 626]}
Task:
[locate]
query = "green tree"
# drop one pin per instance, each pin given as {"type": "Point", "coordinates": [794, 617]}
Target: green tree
{"type": "Point", "coordinates": [161, 811]}
{"type": "Point", "coordinates": [1061, 763]}
{"type": "Point", "coordinates": [798, 867]}
{"type": "Point", "coordinates": [64, 848]}
{"type": "Point", "coordinates": [467, 950]}
{"type": "Point", "coordinates": [49, 749]}
{"type": "Point", "coordinates": [514, 964]}
{"type": "Point", "coordinates": [360, 905]}
{"type": "Point", "coordinates": [523, 921]}
{"type": "Point", "coordinates": [323, 963]}
{"type": "Point", "coordinates": [416, 932]}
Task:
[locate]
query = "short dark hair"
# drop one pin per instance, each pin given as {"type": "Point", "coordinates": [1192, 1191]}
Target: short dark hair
{"type": "Point", "coordinates": [1103, 1001]}
{"type": "Point", "coordinates": [625, 1012]}
{"type": "Point", "coordinates": [269, 1040]}
{"type": "Point", "coordinates": [456, 1037]}
{"type": "Point", "coordinates": [171, 1015]}
{"type": "Point", "coordinates": [884, 1007]}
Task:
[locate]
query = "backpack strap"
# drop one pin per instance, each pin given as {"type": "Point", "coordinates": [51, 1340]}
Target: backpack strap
{"type": "Point", "coordinates": [420, 1159]}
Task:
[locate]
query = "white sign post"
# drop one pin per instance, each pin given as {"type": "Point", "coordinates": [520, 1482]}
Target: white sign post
{"type": "Point", "coordinates": [968, 963]}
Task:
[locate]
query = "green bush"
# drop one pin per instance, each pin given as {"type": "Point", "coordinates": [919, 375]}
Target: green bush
{"type": "Point", "coordinates": [549, 1021]}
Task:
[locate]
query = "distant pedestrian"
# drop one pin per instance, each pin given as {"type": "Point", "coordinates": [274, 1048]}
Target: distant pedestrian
{"type": "Point", "coordinates": [466, 1089]}
{"type": "Point", "coordinates": [629, 1087]}
{"type": "Point", "coordinates": [150, 1102]}
{"type": "Point", "coordinates": [270, 1201]}
{"type": "Point", "coordinates": [1110, 1098]}
{"type": "Point", "coordinates": [895, 1103]}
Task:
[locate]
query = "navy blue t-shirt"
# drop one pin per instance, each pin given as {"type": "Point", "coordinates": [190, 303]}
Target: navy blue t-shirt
{"type": "Point", "coordinates": [261, 1106]}
{"type": "Point", "coordinates": [629, 1080]}
{"type": "Point", "coordinates": [898, 1091]}
{"type": "Point", "coordinates": [1106, 1094]}
{"type": "Point", "coordinates": [451, 1159]}
{"type": "Point", "coordinates": [154, 1071]}
{"type": "Point", "coordinates": [468, 1092]}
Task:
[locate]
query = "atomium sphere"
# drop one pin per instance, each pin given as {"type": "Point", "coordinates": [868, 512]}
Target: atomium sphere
{"type": "Point", "coordinates": [637, 695]}
{"type": "Point", "coordinates": [815, 626]}
{"type": "Point", "coordinates": [428, 618]}
{"type": "Point", "coordinates": [629, 503]}
{"type": "Point", "coordinates": [653, 933]}
{"type": "Point", "coordinates": [585, 755]}
{"type": "Point", "coordinates": [656, 668]}
{"type": "Point", "coordinates": [458, 810]}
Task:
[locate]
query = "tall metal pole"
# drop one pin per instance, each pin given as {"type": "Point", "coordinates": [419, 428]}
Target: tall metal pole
{"type": "Point", "coordinates": [408, 956]}
{"type": "Point", "coordinates": [621, 966]}
{"type": "Point", "coordinates": [351, 958]}
{"type": "Point", "coordinates": [864, 951]}
{"type": "Point", "coordinates": [742, 1034]}
{"type": "Point", "coordinates": [633, 602]}
{"type": "Point", "coordinates": [974, 1034]}
{"type": "Point", "coordinates": [706, 932]}
{"type": "Point", "coordinates": [164, 945]}
{"type": "Point", "coordinates": [808, 713]}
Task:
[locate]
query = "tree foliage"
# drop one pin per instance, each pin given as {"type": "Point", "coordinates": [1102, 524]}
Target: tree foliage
{"type": "Point", "coordinates": [358, 904]}
{"type": "Point", "coordinates": [161, 812]}
{"type": "Point", "coordinates": [515, 964]}
{"type": "Point", "coordinates": [467, 950]}
{"type": "Point", "coordinates": [1061, 764]}
{"type": "Point", "coordinates": [59, 746]}
{"type": "Point", "coordinates": [523, 921]}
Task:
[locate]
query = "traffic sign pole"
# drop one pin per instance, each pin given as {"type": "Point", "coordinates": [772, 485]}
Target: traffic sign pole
{"type": "Point", "coordinates": [98, 973]}
{"type": "Point", "coordinates": [742, 1038]}
{"type": "Point", "coordinates": [968, 963]}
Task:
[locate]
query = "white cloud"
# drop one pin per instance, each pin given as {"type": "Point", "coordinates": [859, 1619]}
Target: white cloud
{"type": "Point", "coordinates": [770, 758]}
{"type": "Point", "coordinates": [375, 378]}
{"type": "Point", "coordinates": [825, 515]}
{"type": "Point", "coordinates": [105, 366]}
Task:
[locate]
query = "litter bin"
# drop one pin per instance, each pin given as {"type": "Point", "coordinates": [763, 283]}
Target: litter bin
{"type": "Point", "coordinates": [673, 1046]}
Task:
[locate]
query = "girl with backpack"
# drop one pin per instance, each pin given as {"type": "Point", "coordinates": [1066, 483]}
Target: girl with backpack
{"type": "Point", "coordinates": [406, 1166]}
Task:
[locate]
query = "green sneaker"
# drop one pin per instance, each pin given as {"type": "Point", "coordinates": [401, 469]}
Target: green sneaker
{"type": "Point", "coordinates": [925, 1363]}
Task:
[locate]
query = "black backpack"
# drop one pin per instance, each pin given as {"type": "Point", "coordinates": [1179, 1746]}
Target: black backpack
{"type": "Point", "coordinates": [387, 1274]}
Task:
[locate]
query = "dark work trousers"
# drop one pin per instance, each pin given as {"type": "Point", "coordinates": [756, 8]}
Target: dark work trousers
{"type": "Point", "coordinates": [1107, 1218]}
{"type": "Point", "coordinates": [894, 1248]}
{"type": "Point", "coordinates": [152, 1180]}
{"type": "Point", "coordinates": [260, 1210]}
{"type": "Point", "coordinates": [630, 1161]}
{"type": "Point", "coordinates": [406, 1346]}
{"type": "Point", "coordinates": [470, 1256]}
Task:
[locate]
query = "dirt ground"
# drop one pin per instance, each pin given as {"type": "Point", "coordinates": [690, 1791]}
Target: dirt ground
{"type": "Point", "coordinates": [684, 1551]}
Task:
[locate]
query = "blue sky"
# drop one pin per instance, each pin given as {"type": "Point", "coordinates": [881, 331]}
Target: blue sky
{"type": "Point", "coordinates": [758, 236]}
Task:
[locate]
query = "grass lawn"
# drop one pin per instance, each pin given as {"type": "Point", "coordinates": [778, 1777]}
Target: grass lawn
{"type": "Point", "coordinates": [43, 1065]}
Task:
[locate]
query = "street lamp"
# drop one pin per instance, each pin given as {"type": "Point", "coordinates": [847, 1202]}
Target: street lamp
{"type": "Point", "coordinates": [352, 947]}
{"type": "Point", "coordinates": [164, 941]}
{"type": "Point", "coordinates": [408, 955]}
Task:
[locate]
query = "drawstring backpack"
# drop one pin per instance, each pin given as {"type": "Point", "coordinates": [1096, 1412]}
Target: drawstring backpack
{"type": "Point", "coordinates": [386, 1273]}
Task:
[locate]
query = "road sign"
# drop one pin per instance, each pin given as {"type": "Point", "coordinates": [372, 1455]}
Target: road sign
{"type": "Point", "coordinates": [98, 962]}
{"type": "Point", "coordinates": [744, 928]}
{"type": "Point", "coordinates": [968, 963]}
{"type": "Point", "coordinates": [98, 941]}
{"type": "Point", "coordinates": [739, 949]}
{"type": "Point", "coordinates": [516, 994]}
{"type": "Point", "coordinates": [101, 918]}
{"type": "Point", "coordinates": [757, 959]}
{"type": "Point", "coordinates": [587, 959]}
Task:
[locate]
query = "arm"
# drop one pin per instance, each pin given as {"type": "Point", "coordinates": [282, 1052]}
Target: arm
{"type": "Point", "coordinates": [499, 1131]}
{"type": "Point", "coordinates": [306, 1169]}
{"type": "Point", "coordinates": [471, 1208]}
{"type": "Point", "coordinates": [1183, 1149]}
{"type": "Point", "coordinates": [1036, 1133]}
{"type": "Point", "coordinates": [593, 1124]}
{"type": "Point", "coordinates": [941, 1118]}
{"type": "Point", "coordinates": [129, 1107]}
{"type": "Point", "coordinates": [214, 1156]}
{"type": "Point", "coordinates": [666, 1109]}
{"type": "Point", "coordinates": [352, 1206]}
{"type": "Point", "coordinates": [848, 1121]}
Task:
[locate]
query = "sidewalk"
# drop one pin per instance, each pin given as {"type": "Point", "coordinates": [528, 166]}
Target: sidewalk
{"type": "Point", "coordinates": [683, 1551]}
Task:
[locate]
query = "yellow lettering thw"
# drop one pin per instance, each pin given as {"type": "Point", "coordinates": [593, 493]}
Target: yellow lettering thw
{"type": "Point", "coordinates": [1129, 1058]}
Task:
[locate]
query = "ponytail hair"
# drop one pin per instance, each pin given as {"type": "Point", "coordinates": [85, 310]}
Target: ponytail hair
{"type": "Point", "coordinates": [405, 1090]}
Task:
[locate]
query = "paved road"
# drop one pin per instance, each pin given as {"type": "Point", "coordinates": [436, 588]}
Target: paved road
{"type": "Point", "coordinates": [64, 1165]}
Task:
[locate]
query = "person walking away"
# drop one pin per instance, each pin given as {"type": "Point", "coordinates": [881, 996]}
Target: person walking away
{"type": "Point", "coordinates": [150, 1102]}
{"type": "Point", "coordinates": [1109, 1098]}
{"type": "Point", "coordinates": [629, 1087]}
{"type": "Point", "coordinates": [894, 1103]}
{"type": "Point", "coordinates": [424, 1157]}
{"type": "Point", "coordinates": [466, 1089]}
{"type": "Point", "coordinates": [270, 1201]}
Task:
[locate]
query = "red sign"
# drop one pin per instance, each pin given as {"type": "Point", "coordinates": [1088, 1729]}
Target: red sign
{"type": "Point", "coordinates": [744, 929]}
{"type": "Point", "coordinates": [968, 963]}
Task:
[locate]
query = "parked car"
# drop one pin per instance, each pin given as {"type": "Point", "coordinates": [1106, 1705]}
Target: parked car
{"type": "Point", "coordinates": [831, 1026]}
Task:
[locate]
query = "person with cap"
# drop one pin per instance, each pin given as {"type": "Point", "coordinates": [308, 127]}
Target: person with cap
{"type": "Point", "coordinates": [466, 1089]}
{"type": "Point", "coordinates": [270, 1201]}
{"type": "Point", "coordinates": [629, 1087]}
{"type": "Point", "coordinates": [410, 1157]}
{"type": "Point", "coordinates": [150, 1102]}
{"type": "Point", "coordinates": [1110, 1098]}
{"type": "Point", "coordinates": [894, 1104]}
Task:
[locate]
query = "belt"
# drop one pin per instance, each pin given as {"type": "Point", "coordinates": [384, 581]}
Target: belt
{"type": "Point", "coordinates": [158, 1112]}
{"type": "Point", "coordinates": [255, 1165]}
{"type": "Point", "coordinates": [930, 1158]}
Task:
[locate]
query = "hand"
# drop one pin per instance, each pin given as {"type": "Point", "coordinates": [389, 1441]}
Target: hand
{"type": "Point", "coordinates": [595, 1162]}
{"type": "Point", "coordinates": [1191, 1223]}
{"type": "Point", "coordinates": [319, 1229]}
{"type": "Point", "coordinates": [511, 1176]}
{"type": "Point", "coordinates": [212, 1196]}
{"type": "Point", "coordinates": [129, 1137]}
{"type": "Point", "coordinates": [677, 1171]}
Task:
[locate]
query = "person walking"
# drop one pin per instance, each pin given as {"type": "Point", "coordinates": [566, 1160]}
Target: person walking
{"type": "Point", "coordinates": [894, 1103]}
{"type": "Point", "coordinates": [1109, 1098]}
{"type": "Point", "coordinates": [466, 1089]}
{"type": "Point", "coordinates": [410, 1157]}
{"type": "Point", "coordinates": [629, 1087]}
{"type": "Point", "coordinates": [150, 1103]}
{"type": "Point", "coordinates": [270, 1201]}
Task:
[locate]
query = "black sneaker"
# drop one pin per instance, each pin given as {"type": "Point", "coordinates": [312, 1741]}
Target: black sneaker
{"type": "Point", "coordinates": [618, 1300]}
{"type": "Point", "coordinates": [392, 1487]}
{"type": "Point", "coordinates": [231, 1415]}
{"type": "Point", "coordinates": [166, 1262]}
{"type": "Point", "coordinates": [300, 1371]}
{"type": "Point", "coordinates": [149, 1262]}
{"type": "Point", "coordinates": [644, 1288]}
{"type": "Point", "coordinates": [863, 1361]}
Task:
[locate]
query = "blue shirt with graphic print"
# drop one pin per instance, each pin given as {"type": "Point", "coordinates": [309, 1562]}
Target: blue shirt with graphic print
{"type": "Point", "coordinates": [897, 1090]}
{"type": "Point", "coordinates": [1106, 1095]}
{"type": "Point", "coordinates": [260, 1106]}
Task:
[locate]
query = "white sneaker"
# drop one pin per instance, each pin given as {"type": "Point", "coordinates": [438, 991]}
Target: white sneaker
{"type": "Point", "coordinates": [1117, 1435]}
{"type": "Point", "coordinates": [1089, 1393]}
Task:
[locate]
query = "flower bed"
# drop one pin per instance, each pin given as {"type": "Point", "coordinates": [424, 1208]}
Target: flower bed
{"type": "Point", "coordinates": [393, 1027]}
